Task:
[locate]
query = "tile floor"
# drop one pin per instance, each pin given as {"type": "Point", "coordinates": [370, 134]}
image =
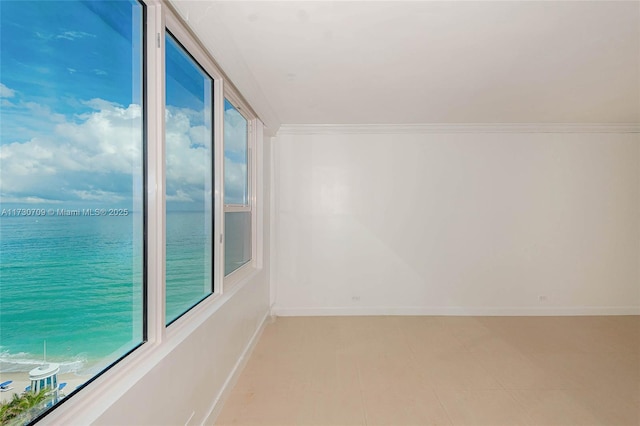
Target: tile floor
{"type": "Point", "coordinates": [441, 371]}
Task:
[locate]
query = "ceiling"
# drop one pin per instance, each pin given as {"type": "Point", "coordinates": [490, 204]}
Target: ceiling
{"type": "Point", "coordinates": [398, 62]}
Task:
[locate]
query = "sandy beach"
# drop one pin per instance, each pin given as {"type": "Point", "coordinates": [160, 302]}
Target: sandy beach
{"type": "Point", "coordinates": [21, 380]}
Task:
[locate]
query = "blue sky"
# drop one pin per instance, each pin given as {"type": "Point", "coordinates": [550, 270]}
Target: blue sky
{"type": "Point", "coordinates": [71, 117]}
{"type": "Point", "coordinates": [70, 93]}
{"type": "Point", "coordinates": [58, 53]}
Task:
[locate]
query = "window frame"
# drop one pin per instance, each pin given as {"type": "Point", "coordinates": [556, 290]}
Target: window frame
{"type": "Point", "coordinates": [214, 230]}
{"type": "Point", "coordinates": [242, 108]}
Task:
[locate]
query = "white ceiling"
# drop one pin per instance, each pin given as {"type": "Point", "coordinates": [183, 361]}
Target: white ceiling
{"type": "Point", "coordinates": [427, 62]}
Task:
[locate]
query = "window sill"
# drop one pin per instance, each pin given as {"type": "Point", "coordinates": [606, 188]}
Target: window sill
{"type": "Point", "coordinates": [244, 273]}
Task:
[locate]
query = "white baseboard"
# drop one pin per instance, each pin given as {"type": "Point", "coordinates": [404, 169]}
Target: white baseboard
{"type": "Point", "coordinates": [234, 375]}
{"type": "Point", "coordinates": [458, 311]}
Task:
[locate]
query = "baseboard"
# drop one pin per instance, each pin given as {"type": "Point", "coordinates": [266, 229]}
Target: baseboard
{"type": "Point", "coordinates": [234, 375]}
{"type": "Point", "coordinates": [459, 311]}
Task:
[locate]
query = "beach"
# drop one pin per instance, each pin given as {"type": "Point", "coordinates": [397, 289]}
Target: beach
{"type": "Point", "coordinates": [21, 380]}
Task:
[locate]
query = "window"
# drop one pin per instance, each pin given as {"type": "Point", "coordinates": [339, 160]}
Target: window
{"type": "Point", "coordinates": [107, 234]}
{"type": "Point", "coordinates": [189, 180]}
{"type": "Point", "coordinates": [237, 209]}
{"type": "Point", "coordinates": [71, 190]}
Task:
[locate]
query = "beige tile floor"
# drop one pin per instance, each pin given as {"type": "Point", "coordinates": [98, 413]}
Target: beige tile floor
{"type": "Point", "coordinates": [441, 371]}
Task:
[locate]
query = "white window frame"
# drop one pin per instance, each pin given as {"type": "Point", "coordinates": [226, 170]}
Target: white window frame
{"type": "Point", "coordinates": [171, 25]}
{"type": "Point", "coordinates": [252, 135]}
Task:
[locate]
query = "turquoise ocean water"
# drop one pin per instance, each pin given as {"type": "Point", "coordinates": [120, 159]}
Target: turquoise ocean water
{"type": "Point", "coordinates": [76, 283]}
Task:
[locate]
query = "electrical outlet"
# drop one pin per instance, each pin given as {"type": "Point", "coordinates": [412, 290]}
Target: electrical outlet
{"type": "Point", "coordinates": [355, 298]}
{"type": "Point", "coordinates": [542, 298]}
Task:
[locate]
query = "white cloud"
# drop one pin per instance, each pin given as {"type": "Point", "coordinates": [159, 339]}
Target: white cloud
{"type": "Point", "coordinates": [42, 112]}
{"type": "Point", "coordinates": [84, 160]}
{"type": "Point", "coordinates": [235, 131]}
{"type": "Point", "coordinates": [70, 35]}
{"type": "Point", "coordinates": [180, 195]}
{"type": "Point", "coordinates": [22, 121]}
{"type": "Point", "coordinates": [235, 182]}
{"type": "Point", "coordinates": [5, 92]}
{"type": "Point", "coordinates": [98, 104]}
{"type": "Point", "coordinates": [98, 195]}
{"type": "Point", "coordinates": [97, 156]}
{"type": "Point", "coordinates": [43, 36]}
{"type": "Point", "coordinates": [200, 135]}
{"type": "Point", "coordinates": [28, 200]}
{"type": "Point", "coordinates": [188, 156]}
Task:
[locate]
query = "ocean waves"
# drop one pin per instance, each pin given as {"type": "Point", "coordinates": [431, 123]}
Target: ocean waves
{"type": "Point", "coordinates": [23, 362]}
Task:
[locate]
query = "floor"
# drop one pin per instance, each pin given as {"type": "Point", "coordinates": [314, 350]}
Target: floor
{"type": "Point", "coordinates": [441, 371]}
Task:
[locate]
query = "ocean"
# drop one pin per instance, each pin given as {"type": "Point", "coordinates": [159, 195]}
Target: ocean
{"type": "Point", "coordinates": [76, 283]}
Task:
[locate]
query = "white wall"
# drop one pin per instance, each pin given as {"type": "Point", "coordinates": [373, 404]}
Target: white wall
{"type": "Point", "coordinates": [456, 223]}
{"type": "Point", "coordinates": [183, 387]}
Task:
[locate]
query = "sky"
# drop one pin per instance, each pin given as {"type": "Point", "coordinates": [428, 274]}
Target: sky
{"type": "Point", "coordinates": [71, 111]}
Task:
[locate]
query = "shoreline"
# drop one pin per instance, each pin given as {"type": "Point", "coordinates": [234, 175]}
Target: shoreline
{"type": "Point", "coordinates": [21, 380]}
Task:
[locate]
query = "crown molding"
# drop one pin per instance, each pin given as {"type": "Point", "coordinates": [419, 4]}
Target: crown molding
{"type": "Point", "coordinates": [328, 129]}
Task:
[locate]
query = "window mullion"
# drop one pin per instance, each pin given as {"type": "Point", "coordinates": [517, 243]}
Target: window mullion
{"type": "Point", "coordinates": [156, 176]}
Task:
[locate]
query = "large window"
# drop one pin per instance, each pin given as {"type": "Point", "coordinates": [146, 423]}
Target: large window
{"type": "Point", "coordinates": [71, 192]}
{"type": "Point", "coordinates": [189, 180]}
{"type": "Point", "coordinates": [113, 203]}
{"type": "Point", "coordinates": [237, 197]}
